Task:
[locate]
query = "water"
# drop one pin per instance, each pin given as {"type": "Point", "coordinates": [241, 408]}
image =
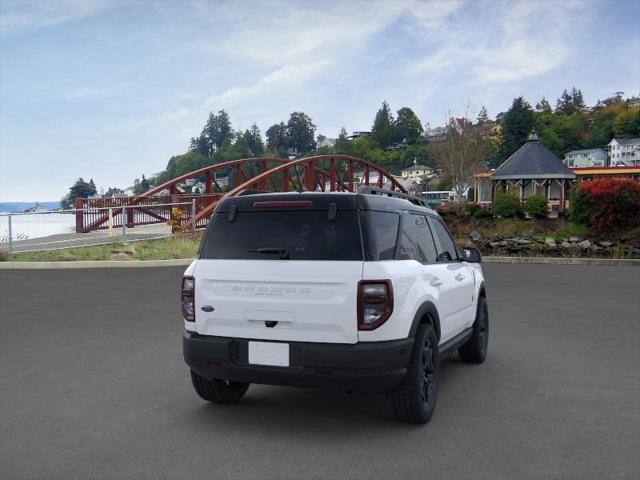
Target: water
{"type": "Point", "coordinates": [29, 226]}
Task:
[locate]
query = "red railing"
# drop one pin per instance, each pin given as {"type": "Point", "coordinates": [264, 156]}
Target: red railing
{"type": "Point", "coordinates": [102, 213]}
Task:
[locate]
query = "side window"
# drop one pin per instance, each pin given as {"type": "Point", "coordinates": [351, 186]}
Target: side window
{"type": "Point", "coordinates": [380, 232]}
{"type": "Point", "coordinates": [447, 250]}
{"type": "Point", "coordinates": [416, 242]}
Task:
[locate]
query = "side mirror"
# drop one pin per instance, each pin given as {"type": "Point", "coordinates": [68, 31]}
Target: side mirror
{"type": "Point", "coordinates": [472, 255]}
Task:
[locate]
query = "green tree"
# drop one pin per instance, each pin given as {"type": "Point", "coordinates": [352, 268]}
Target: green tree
{"type": "Point", "coordinates": [483, 116]}
{"type": "Point", "coordinates": [544, 106]}
{"type": "Point", "coordinates": [627, 124]}
{"type": "Point", "coordinates": [517, 123]}
{"type": "Point", "coordinates": [565, 103]}
{"type": "Point", "coordinates": [343, 144]}
{"type": "Point", "coordinates": [301, 133]}
{"type": "Point", "coordinates": [253, 138]}
{"type": "Point", "coordinates": [277, 139]}
{"type": "Point", "coordinates": [383, 130]}
{"type": "Point", "coordinates": [367, 148]}
{"type": "Point", "coordinates": [216, 131]}
{"type": "Point", "coordinates": [577, 99]}
{"type": "Point", "coordinates": [80, 189]}
{"type": "Point", "coordinates": [408, 126]}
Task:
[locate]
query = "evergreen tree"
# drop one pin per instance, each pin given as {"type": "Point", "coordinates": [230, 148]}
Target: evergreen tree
{"type": "Point", "coordinates": [543, 106]}
{"type": "Point", "coordinates": [301, 133]}
{"type": "Point", "coordinates": [483, 116]}
{"type": "Point", "coordinates": [382, 130]}
{"type": "Point", "coordinates": [277, 140]}
{"type": "Point", "coordinates": [517, 123]}
{"type": "Point", "coordinates": [576, 99]}
{"type": "Point", "coordinates": [253, 139]}
{"type": "Point", "coordinates": [565, 103]}
{"type": "Point", "coordinates": [343, 144]}
{"type": "Point", "coordinates": [408, 126]}
{"type": "Point", "coordinates": [216, 131]}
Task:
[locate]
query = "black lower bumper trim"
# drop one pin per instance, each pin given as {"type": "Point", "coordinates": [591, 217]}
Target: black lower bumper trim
{"type": "Point", "coordinates": [368, 367]}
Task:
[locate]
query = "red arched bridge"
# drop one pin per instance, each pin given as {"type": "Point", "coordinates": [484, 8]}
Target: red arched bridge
{"type": "Point", "coordinates": [327, 173]}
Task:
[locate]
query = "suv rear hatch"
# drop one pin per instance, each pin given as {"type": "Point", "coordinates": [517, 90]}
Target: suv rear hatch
{"type": "Point", "coordinates": [281, 267]}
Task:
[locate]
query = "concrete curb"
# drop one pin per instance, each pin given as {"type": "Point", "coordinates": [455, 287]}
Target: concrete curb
{"type": "Point", "coordinates": [183, 262]}
{"type": "Point", "coordinates": [564, 261]}
{"type": "Point", "coordinates": [177, 262]}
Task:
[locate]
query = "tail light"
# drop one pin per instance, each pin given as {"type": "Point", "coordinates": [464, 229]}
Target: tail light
{"type": "Point", "coordinates": [188, 299]}
{"type": "Point", "coordinates": [375, 303]}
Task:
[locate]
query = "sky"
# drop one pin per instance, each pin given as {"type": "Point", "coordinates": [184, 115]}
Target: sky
{"type": "Point", "coordinates": [110, 90]}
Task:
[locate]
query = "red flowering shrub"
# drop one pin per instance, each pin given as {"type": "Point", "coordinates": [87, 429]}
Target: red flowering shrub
{"type": "Point", "coordinates": [607, 204]}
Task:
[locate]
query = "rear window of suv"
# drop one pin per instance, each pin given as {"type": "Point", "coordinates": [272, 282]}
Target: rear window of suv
{"type": "Point", "coordinates": [290, 234]}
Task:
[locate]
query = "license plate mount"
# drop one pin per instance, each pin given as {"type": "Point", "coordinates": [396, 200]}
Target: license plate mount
{"type": "Point", "coordinates": [269, 354]}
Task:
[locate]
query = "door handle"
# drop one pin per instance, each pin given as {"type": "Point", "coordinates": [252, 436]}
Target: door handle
{"type": "Point", "coordinates": [436, 282]}
{"type": "Point", "coordinates": [459, 277]}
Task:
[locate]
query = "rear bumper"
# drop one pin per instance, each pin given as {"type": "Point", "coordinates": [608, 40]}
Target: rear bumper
{"type": "Point", "coordinates": [368, 367]}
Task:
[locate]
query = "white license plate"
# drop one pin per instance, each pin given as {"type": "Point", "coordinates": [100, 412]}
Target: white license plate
{"type": "Point", "coordinates": [268, 353]}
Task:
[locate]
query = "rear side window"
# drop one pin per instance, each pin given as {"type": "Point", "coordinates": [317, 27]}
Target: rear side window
{"type": "Point", "coordinates": [275, 235]}
{"type": "Point", "coordinates": [380, 232]}
{"type": "Point", "coordinates": [416, 242]}
{"type": "Point", "coordinates": [447, 249]}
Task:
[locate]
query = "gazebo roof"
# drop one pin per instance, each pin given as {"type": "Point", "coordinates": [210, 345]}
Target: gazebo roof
{"type": "Point", "coordinates": [532, 160]}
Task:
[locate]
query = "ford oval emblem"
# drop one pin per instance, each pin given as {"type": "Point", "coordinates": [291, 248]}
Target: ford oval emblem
{"type": "Point", "coordinates": [207, 308]}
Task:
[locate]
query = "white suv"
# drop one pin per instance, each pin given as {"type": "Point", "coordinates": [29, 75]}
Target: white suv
{"type": "Point", "coordinates": [360, 292]}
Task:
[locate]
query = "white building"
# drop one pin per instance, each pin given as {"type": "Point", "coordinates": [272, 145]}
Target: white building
{"type": "Point", "coordinates": [417, 172]}
{"type": "Point", "coordinates": [594, 157]}
{"type": "Point", "coordinates": [327, 142]}
{"type": "Point", "coordinates": [624, 152]}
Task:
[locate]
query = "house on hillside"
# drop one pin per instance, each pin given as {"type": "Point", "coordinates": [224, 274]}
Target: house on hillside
{"type": "Point", "coordinates": [624, 152]}
{"type": "Point", "coordinates": [532, 170]}
{"type": "Point", "coordinates": [327, 142]}
{"type": "Point", "coordinates": [416, 171]}
{"type": "Point", "coordinates": [593, 157]}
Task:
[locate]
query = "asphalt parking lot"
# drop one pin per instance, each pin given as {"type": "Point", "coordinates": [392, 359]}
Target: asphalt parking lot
{"type": "Point", "coordinates": [93, 386]}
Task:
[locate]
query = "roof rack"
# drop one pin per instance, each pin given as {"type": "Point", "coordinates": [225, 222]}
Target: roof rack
{"type": "Point", "coordinates": [383, 192]}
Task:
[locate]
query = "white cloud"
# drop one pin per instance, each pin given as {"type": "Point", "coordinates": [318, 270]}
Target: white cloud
{"type": "Point", "coordinates": [285, 77]}
{"type": "Point", "coordinates": [20, 16]}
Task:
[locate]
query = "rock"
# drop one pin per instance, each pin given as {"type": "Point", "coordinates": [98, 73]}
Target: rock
{"type": "Point", "coordinates": [575, 239]}
{"type": "Point", "coordinates": [550, 241]}
{"type": "Point", "coordinates": [605, 244]}
{"type": "Point", "coordinates": [121, 257]}
{"type": "Point", "coordinates": [494, 244]}
{"type": "Point", "coordinates": [126, 251]}
{"type": "Point", "coordinates": [522, 241]}
{"type": "Point", "coordinates": [67, 257]}
{"type": "Point", "coordinates": [475, 236]}
{"type": "Point", "coordinates": [566, 245]}
{"type": "Point", "coordinates": [584, 244]}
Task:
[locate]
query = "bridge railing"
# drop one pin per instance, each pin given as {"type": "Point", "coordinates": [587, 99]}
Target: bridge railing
{"type": "Point", "coordinates": [103, 213]}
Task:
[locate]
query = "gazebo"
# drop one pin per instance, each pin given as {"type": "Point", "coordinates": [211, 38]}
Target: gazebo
{"type": "Point", "coordinates": [532, 170]}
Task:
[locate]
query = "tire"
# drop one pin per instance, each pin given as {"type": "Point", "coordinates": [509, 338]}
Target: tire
{"type": "Point", "coordinates": [415, 400]}
{"type": "Point", "coordinates": [475, 349]}
{"type": "Point", "coordinates": [218, 391]}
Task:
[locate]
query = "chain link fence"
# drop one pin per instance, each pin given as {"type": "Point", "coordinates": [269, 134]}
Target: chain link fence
{"type": "Point", "coordinates": [59, 229]}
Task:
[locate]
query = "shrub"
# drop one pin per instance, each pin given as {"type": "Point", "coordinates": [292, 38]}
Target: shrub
{"type": "Point", "coordinates": [536, 206]}
{"type": "Point", "coordinates": [445, 209]}
{"type": "Point", "coordinates": [607, 203]}
{"type": "Point", "coordinates": [506, 205]}
{"type": "Point", "coordinates": [483, 213]}
{"type": "Point", "coordinates": [469, 209]}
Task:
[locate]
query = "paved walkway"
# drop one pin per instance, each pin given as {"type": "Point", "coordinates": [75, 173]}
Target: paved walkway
{"type": "Point", "coordinates": [97, 237]}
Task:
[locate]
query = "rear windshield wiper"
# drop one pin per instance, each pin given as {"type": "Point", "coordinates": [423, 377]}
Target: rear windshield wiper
{"type": "Point", "coordinates": [283, 252]}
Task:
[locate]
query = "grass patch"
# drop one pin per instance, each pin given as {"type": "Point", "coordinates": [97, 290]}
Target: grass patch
{"type": "Point", "coordinates": [162, 249]}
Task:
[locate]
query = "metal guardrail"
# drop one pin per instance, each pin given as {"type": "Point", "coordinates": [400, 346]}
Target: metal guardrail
{"type": "Point", "coordinates": [58, 229]}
